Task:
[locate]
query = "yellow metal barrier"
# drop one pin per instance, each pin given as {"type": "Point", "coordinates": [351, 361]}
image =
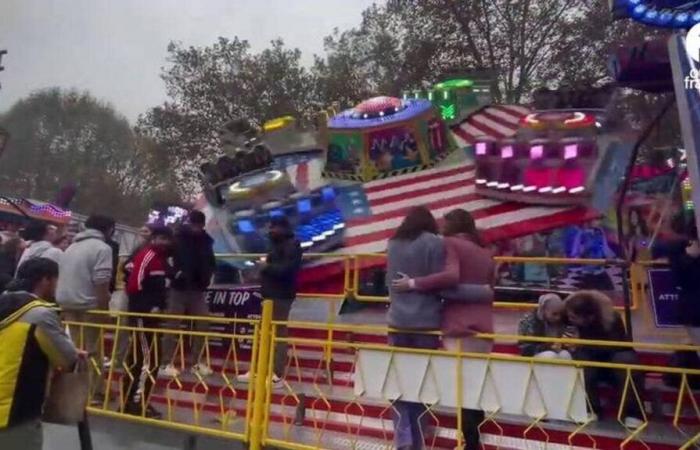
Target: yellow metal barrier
{"type": "Point", "coordinates": [352, 265]}
{"type": "Point", "coordinates": [134, 389]}
{"type": "Point", "coordinates": [320, 404]}
{"type": "Point", "coordinates": [327, 424]}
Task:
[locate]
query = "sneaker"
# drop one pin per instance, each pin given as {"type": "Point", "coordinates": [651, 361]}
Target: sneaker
{"type": "Point", "coordinates": [633, 423]}
{"type": "Point", "coordinates": [134, 409]}
{"type": "Point", "coordinates": [170, 371]}
{"type": "Point", "coordinates": [277, 382]}
{"type": "Point", "coordinates": [244, 378]}
{"type": "Point", "coordinates": [202, 369]}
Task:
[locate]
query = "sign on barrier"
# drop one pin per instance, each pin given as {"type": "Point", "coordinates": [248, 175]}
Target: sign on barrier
{"type": "Point", "coordinates": [547, 391]}
{"type": "Point", "coordinates": [664, 299]}
{"type": "Point", "coordinates": [236, 302]}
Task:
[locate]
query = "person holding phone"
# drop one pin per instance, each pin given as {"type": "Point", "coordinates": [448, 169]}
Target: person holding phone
{"type": "Point", "coordinates": [547, 320]}
{"type": "Point", "coordinates": [593, 315]}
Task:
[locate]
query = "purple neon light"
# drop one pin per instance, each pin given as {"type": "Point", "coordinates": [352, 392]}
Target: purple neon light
{"type": "Point", "coordinates": [412, 109]}
{"type": "Point", "coordinates": [570, 151]}
{"type": "Point", "coordinates": [536, 151]}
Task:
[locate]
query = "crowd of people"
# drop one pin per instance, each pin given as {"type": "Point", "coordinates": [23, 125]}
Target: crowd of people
{"type": "Point", "coordinates": [439, 279]}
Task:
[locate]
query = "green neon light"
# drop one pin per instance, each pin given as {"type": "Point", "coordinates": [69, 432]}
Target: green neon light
{"type": "Point", "coordinates": [448, 112]}
{"type": "Point", "coordinates": [454, 84]}
{"type": "Point", "coordinates": [430, 95]}
{"type": "Point", "coordinates": [445, 95]}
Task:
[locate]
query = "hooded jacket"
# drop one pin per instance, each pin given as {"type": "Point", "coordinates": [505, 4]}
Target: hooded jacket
{"type": "Point", "coordinates": [278, 277]}
{"type": "Point", "coordinates": [41, 249]}
{"type": "Point", "coordinates": [33, 341]}
{"type": "Point", "coordinates": [85, 264]}
{"type": "Point", "coordinates": [194, 260]}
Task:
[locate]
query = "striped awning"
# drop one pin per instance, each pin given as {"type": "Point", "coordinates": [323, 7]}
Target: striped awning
{"type": "Point", "coordinates": [496, 122]}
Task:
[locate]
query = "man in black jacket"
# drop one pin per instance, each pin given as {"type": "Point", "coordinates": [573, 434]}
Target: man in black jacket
{"type": "Point", "coordinates": [278, 279]}
{"type": "Point", "coordinates": [195, 264]}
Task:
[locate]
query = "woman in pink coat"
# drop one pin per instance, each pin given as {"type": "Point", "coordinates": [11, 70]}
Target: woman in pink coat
{"type": "Point", "coordinates": [466, 286]}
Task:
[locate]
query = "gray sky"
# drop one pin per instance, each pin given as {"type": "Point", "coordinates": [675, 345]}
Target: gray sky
{"type": "Point", "coordinates": [115, 48]}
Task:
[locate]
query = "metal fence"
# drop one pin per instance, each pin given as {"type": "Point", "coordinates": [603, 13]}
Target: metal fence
{"type": "Point", "coordinates": [350, 391]}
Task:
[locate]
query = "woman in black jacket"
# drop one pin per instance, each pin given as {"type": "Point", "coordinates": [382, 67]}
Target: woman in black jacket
{"type": "Point", "coordinates": [592, 313]}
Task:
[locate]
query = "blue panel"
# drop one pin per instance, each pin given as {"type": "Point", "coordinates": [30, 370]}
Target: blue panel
{"type": "Point", "coordinates": [304, 206]}
{"type": "Point", "coordinates": [328, 194]}
{"type": "Point", "coordinates": [246, 226]}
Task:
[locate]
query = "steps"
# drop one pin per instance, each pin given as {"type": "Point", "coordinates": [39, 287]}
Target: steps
{"type": "Point", "coordinates": [318, 407]}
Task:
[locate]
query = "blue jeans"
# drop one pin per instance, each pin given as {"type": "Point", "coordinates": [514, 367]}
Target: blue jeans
{"type": "Point", "coordinates": [407, 426]}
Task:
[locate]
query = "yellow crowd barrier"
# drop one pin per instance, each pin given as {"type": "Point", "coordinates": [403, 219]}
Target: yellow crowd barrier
{"type": "Point", "coordinates": [315, 407]}
{"type": "Point", "coordinates": [353, 264]}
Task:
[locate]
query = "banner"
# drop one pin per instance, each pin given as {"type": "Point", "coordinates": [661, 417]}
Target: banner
{"type": "Point", "coordinates": [235, 302]}
{"type": "Point", "coordinates": [664, 298]}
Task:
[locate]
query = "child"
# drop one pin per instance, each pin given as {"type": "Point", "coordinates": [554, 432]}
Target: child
{"type": "Point", "coordinates": [545, 321]}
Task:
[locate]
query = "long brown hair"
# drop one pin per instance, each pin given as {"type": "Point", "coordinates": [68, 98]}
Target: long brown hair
{"type": "Point", "coordinates": [418, 220]}
{"type": "Point", "coordinates": [592, 304]}
{"type": "Point", "coordinates": [460, 221]}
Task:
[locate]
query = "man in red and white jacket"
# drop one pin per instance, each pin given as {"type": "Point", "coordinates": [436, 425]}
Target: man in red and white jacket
{"type": "Point", "coordinates": [147, 288]}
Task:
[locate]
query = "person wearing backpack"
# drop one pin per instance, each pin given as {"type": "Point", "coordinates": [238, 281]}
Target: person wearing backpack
{"type": "Point", "coordinates": [34, 341]}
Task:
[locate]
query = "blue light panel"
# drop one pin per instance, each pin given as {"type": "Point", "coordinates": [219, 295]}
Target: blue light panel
{"type": "Point", "coordinates": [246, 226]}
{"type": "Point", "coordinates": [304, 206]}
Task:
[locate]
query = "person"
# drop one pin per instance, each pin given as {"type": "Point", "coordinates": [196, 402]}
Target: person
{"type": "Point", "coordinates": [195, 264]}
{"type": "Point", "coordinates": [591, 242]}
{"type": "Point", "coordinates": [33, 340]}
{"type": "Point", "coordinates": [62, 242]}
{"type": "Point", "coordinates": [278, 279]}
{"type": "Point", "coordinates": [684, 259]}
{"type": "Point", "coordinates": [10, 252]}
{"type": "Point", "coordinates": [83, 285]}
{"type": "Point", "coordinates": [468, 308]}
{"type": "Point", "coordinates": [40, 236]}
{"type": "Point", "coordinates": [547, 320]}
{"type": "Point", "coordinates": [415, 250]}
{"type": "Point", "coordinates": [592, 313]}
{"type": "Point", "coordinates": [147, 289]}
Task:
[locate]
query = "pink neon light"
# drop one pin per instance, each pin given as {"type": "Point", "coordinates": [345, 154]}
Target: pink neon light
{"type": "Point", "coordinates": [481, 148]}
{"type": "Point", "coordinates": [570, 151]}
{"type": "Point", "coordinates": [536, 151]}
{"type": "Point", "coordinates": [507, 152]}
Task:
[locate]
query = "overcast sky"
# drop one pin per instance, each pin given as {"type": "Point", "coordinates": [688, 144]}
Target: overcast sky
{"type": "Point", "coordinates": [115, 48]}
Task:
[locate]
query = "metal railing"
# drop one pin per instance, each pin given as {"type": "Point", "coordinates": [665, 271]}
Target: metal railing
{"type": "Point", "coordinates": [351, 391]}
{"type": "Point", "coordinates": [352, 265]}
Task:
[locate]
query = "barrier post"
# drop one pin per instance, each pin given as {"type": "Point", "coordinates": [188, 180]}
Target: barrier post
{"type": "Point", "coordinates": [260, 376]}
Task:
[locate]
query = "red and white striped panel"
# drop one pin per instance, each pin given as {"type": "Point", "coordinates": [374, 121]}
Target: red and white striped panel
{"type": "Point", "coordinates": [443, 189]}
{"type": "Point", "coordinates": [307, 176]}
{"type": "Point", "coordinates": [497, 122]}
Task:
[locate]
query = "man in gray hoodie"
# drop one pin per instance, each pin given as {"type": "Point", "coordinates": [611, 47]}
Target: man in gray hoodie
{"type": "Point", "coordinates": [83, 285]}
{"type": "Point", "coordinates": [40, 236]}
